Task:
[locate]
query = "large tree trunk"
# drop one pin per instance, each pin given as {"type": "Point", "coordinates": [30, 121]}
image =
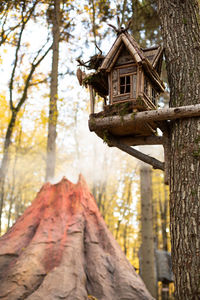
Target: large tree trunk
{"type": "Point", "coordinates": [53, 111]}
{"type": "Point", "coordinates": [147, 266]}
{"type": "Point", "coordinates": [181, 35]}
{"type": "Point", "coordinates": [61, 249]}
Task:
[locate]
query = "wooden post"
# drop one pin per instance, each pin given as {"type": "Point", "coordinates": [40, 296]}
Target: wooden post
{"type": "Point", "coordinates": [91, 99]}
{"type": "Point", "coordinates": [110, 88]}
{"type": "Point", "coordinates": [139, 81]}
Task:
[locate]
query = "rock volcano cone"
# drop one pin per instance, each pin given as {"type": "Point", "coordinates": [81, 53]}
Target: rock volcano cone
{"type": "Point", "coordinates": [60, 248]}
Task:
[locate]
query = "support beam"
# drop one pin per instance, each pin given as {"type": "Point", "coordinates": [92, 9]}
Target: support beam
{"type": "Point", "coordinates": [155, 163]}
{"type": "Point", "coordinates": [145, 116]}
{"type": "Point", "coordinates": [92, 100]}
{"type": "Point", "coordinates": [143, 140]}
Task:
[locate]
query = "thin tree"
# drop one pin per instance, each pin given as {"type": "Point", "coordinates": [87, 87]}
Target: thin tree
{"type": "Point", "coordinates": [53, 111]}
{"type": "Point", "coordinates": [147, 247]}
{"type": "Point", "coordinates": [15, 107]}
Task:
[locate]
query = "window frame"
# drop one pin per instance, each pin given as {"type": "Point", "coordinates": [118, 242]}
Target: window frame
{"type": "Point", "coordinates": [121, 72]}
{"type": "Point", "coordinates": [125, 84]}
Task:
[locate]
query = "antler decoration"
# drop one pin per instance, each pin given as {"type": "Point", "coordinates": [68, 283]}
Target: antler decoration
{"type": "Point", "coordinates": [120, 29]}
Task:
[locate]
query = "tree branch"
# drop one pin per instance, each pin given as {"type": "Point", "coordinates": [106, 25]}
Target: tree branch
{"type": "Point", "coordinates": [24, 22]}
{"type": "Point", "coordinates": [155, 163]}
{"type": "Point", "coordinates": [96, 124]}
{"type": "Point", "coordinates": [27, 82]}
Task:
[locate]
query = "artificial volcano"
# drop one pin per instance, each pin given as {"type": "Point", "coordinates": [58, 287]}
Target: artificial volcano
{"type": "Point", "coordinates": [60, 248]}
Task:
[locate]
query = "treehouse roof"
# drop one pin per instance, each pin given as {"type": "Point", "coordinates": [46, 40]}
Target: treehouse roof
{"type": "Point", "coordinates": [150, 58]}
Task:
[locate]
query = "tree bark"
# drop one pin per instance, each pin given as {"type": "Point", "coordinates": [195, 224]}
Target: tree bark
{"type": "Point", "coordinates": [53, 111]}
{"type": "Point", "coordinates": [181, 35]}
{"type": "Point", "coordinates": [148, 269]}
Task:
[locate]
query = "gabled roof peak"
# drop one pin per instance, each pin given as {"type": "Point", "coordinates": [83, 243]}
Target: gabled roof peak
{"type": "Point", "coordinates": [130, 44]}
{"type": "Point", "coordinates": [150, 59]}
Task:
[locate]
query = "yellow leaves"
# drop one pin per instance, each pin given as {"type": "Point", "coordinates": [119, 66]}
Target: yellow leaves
{"type": "Point", "coordinates": [4, 114]}
{"type": "Point", "coordinates": [43, 118]}
{"type": "Point", "coordinates": [38, 79]}
{"type": "Point", "coordinates": [86, 8]}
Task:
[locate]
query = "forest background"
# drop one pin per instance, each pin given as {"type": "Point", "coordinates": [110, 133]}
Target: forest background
{"type": "Point", "coordinates": [114, 177]}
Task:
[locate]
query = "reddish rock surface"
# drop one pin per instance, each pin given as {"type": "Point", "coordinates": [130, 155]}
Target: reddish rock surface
{"type": "Point", "coordinates": [61, 249]}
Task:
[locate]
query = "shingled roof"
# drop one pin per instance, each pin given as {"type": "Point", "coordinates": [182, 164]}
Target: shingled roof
{"type": "Point", "coordinates": [149, 58]}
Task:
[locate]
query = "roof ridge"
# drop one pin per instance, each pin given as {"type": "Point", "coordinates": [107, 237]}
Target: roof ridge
{"type": "Point", "coordinates": [135, 44]}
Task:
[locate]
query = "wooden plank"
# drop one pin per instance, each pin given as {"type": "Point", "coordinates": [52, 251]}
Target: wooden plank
{"type": "Point", "coordinates": [137, 130]}
{"type": "Point", "coordinates": [111, 53]}
{"type": "Point", "coordinates": [121, 98]}
{"type": "Point", "coordinates": [138, 86]}
{"type": "Point", "coordinates": [128, 70]}
{"type": "Point", "coordinates": [110, 88]}
{"type": "Point", "coordinates": [148, 102]}
{"type": "Point", "coordinates": [115, 58]}
{"type": "Point", "coordinates": [134, 85]}
{"type": "Point", "coordinates": [126, 65]}
{"type": "Point", "coordinates": [142, 82]}
{"type": "Point", "coordinates": [142, 140]}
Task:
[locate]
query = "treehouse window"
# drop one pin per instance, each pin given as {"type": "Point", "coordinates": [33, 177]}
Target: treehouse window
{"type": "Point", "coordinates": [125, 84]}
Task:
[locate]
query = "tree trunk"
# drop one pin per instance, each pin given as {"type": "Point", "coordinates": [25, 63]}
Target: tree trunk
{"type": "Point", "coordinates": [148, 268]}
{"type": "Point", "coordinates": [5, 161]}
{"type": "Point", "coordinates": [66, 251]}
{"type": "Point", "coordinates": [181, 35]}
{"type": "Point", "coordinates": [53, 112]}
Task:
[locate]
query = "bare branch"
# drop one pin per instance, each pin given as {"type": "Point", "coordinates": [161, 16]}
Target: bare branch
{"type": "Point", "coordinates": [128, 25]}
{"type": "Point", "coordinates": [40, 50]}
{"type": "Point", "coordinates": [28, 80]}
{"type": "Point", "coordinates": [98, 48]}
{"type": "Point", "coordinates": [115, 28]}
{"type": "Point", "coordinates": [45, 80]}
{"type": "Point", "coordinates": [24, 22]}
{"type": "Point", "coordinates": [15, 65]}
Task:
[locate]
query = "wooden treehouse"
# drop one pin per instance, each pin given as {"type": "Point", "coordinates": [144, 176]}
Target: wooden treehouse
{"type": "Point", "coordinates": [128, 79]}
